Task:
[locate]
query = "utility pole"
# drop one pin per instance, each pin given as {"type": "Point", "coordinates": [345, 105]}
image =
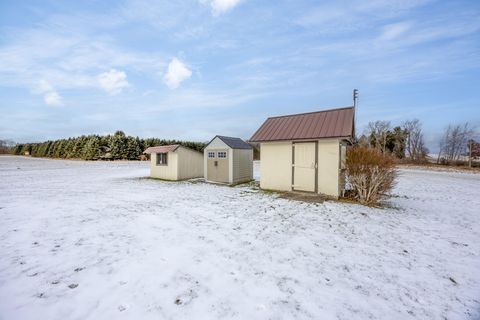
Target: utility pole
{"type": "Point", "coordinates": [355, 97]}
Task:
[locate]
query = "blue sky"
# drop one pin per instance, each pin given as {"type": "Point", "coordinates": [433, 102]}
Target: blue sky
{"type": "Point", "coordinates": [193, 69]}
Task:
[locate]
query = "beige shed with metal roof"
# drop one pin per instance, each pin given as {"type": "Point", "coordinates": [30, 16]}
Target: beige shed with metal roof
{"type": "Point", "coordinates": [228, 160]}
{"type": "Point", "coordinates": [305, 152]}
{"type": "Point", "coordinates": [175, 162]}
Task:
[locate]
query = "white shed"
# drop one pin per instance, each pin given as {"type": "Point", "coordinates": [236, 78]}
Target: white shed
{"type": "Point", "coordinates": [306, 151]}
{"type": "Point", "coordinates": [175, 162]}
{"type": "Point", "coordinates": [228, 160]}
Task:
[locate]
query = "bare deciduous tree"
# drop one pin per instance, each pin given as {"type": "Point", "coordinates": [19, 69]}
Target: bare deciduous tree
{"type": "Point", "coordinates": [377, 132]}
{"type": "Point", "coordinates": [454, 142]}
{"type": "Point", "coordinates": [415, 144]}
{"type": "Point", "coordinates": [6, 145]}
{"type": "Point", "coordinates": [363, 141]}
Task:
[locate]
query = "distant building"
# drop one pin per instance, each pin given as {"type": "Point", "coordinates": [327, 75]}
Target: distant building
{"type": "Point", "coordinates": [175, 162]}
{"type": "Point", "coordinates": [228, 160]}
{"type": "Point", "coordinates": [305, 152]}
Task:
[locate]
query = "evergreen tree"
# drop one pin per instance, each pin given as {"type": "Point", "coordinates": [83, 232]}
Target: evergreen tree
{"type": "Point", "coordinates": [17, 149]}
{"type": "Point", "coordinates": [396, 140]}
{"type": "Point", "coordinates": [69, 148]}
{"type": "Point", "coordinates": [132, 151]}
{"type": "Point", "coordinates": [77, 147]}
{"type": "Point", "coordinates": [91, 150]}
{"type": "Point", "coordinates": [94, 147]}
{"type": "Point", "coordinates": [118, 145]}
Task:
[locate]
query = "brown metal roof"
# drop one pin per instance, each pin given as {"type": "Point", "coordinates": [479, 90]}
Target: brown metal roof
{"type": "Point", "coordinates": [333, 123]}
{"type": "Point", "coordinates": [162, 149]}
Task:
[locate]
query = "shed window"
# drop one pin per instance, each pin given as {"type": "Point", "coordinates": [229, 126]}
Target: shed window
{"type": "Point", "coordinates": [162, 159]}
{"type": "Point", "coordinates": [211, 154]}
{"type": "Point", "coordinates": [222, 154]}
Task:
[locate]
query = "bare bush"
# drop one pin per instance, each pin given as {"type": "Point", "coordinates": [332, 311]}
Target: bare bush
{"type": "Point", "coordinates": [370, 174]}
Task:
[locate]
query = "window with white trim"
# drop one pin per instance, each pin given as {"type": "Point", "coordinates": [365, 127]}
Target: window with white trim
{"type": "Point", "coordinates": [211, 154]}
{"type": "Point", "coordinates": [222, 154]}
{"type": "Point", "coordinates": [162, 159]}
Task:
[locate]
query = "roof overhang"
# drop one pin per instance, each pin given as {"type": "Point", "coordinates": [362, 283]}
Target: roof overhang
{"type": "Point", "coordinates": [348, 138]}
{"type": "Point", "coordinates": [162, 149]}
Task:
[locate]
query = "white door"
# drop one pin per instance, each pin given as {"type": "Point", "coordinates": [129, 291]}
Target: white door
{"type": "Point", "coordinates": [304, 166]}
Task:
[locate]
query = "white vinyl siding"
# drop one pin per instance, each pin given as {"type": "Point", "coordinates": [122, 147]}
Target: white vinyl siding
{"type": "Point", "coordinates": [190, 163]}
{"type": "Point", "coordinates": [242, 165]}
{"type": "Point", "coordinates": [181, 164]}
{"type": "Point", "coordinates": [240, 161]}
{"type": "Point", "coordinates": [166, 172]}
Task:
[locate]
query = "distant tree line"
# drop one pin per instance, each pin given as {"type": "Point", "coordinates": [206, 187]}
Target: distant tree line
{"type": "Point", "coordinates": [458, 144]}
{"type": "Point", "coordinates": [370, 164]}
{"type": "Point", "coordinates": [5, 146]}
{"type": "Point", "coordinates": [403, 141]}
{"type": "Point", "coordinates": [95, 147]}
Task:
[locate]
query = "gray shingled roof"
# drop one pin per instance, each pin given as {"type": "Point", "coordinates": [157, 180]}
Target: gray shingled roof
{"type": "Point", "coordinates": [234, 143]}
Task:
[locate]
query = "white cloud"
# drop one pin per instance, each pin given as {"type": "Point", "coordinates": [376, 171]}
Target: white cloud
{"type": "Point", "coordinates": [50, 95]}
{"type": "Point", "coordinates": [177, 72]}
{"type": "Point", "coordinates": [113, 81]}
{"type": "Point", "coordinates": [393, 31]}
{"type": "Point", "coordinates": [221, 6]}
{"type": "Point", "coordinates": [44, 86]}
{"type": "Point", "coordinates": [52, 98]}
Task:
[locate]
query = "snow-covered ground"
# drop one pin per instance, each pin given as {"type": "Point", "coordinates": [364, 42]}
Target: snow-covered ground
{"type": "Point", "coordinates": [98, 240]}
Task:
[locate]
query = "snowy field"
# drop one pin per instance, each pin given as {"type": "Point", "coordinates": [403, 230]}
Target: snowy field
{"type": "Point", "coordinates": [98, 240]}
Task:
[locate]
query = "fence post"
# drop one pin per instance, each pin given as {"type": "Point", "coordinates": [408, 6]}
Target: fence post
{"type": "Point", "coordinates": [470, 153]}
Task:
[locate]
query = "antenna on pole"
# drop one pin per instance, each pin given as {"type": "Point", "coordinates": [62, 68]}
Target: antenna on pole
{"type": "Point", "coordinates": [355, 97]}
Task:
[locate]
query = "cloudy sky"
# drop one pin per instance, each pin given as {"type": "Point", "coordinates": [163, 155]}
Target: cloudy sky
{"type": "Point", "coordinates": [193, 69]}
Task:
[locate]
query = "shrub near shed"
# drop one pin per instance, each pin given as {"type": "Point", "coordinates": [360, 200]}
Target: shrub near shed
{"type": "Point", "coordinates": [370, 174]}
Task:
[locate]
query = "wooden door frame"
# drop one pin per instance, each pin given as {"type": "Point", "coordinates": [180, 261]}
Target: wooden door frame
{"type": "Point", "coordinates": [316, 164]}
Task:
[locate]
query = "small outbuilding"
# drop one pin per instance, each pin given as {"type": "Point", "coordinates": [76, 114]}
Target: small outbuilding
{"type": "Point", "coordinates": [175, 162]}
{"type": "Point", "coordinates": [305, 152]}
{"type": "Point", "coordinates": [228, 160]}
